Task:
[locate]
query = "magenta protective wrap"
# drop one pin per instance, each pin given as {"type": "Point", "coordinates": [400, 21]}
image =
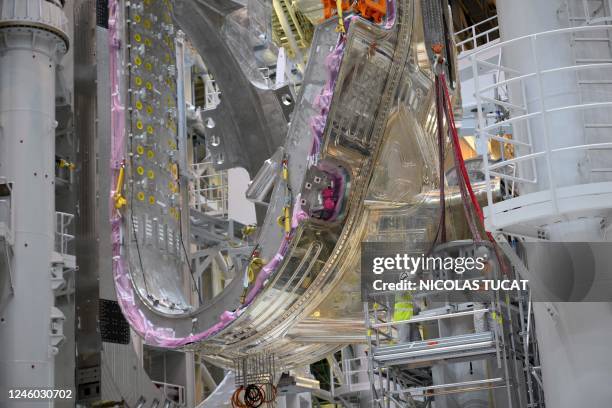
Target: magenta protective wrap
{"type": "Point", "coordinates": [323, 101]}
{"type": "Point", "coordinates": [126, 297]}
{"type": "Point", "coordinates": [390, 17]}
{"type": "Point", "coordinates": [298, 215]}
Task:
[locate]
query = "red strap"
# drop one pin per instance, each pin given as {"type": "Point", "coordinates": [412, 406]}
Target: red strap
{"type": "Point", "coordinates": [457, 151]}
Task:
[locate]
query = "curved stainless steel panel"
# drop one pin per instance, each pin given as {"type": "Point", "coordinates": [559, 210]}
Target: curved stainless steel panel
{"type": "Point", "coordinates": [377, 151]}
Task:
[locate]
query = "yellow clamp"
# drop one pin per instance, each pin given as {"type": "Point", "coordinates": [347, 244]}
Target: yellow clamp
{"type": "Point", "coordinates": [253, 269]}
{"type": "Point", "coordinates": [243, 296]}
{"type": "Point", "coordinates": [284, 220]}
{"type": "Point", "coordinates": [248, 230]}
{"type": "Point", "coordinates": [285, 171]}
{"type": "Point", "coordinates": [287, 220]}
{"type": "Point", "coordinates": [340, 27]}
{"type": "Point", "coordinates": [120, 200]}
{"type": "Point", "coordinates": [66, 164]}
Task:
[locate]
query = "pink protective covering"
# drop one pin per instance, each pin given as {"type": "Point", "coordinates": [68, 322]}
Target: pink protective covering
{"type": "Point", "coordinates": [390, 17]}
{"type": "Point", "coordinates": [323, 101]}
{"type": "Point", "coordinates": [163, 336]}
{"type": "Point", "coordinates": [298, 215]}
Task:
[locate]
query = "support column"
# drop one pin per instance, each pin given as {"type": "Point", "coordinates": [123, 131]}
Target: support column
{"type": "Point", "coordinates": [32, 42]}
{"type": "Point", "coordinates": [573, 337]}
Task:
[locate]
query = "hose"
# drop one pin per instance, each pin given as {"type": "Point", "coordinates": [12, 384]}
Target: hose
{"type": "Point", "coordinates": [253, 395]}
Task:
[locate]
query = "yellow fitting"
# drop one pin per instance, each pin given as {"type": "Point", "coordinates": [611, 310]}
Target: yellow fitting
{"type": "Point", "coordinates": [120, 200]}
{"type": "Point", "coordinates": [243, 296]}
{"type": "Point", "coordinates": [254, 267]}
{"type": "Point", "coordinates": [248, 230]}
{"type": "Point", "coordinates": [66, 164]}
{"type": "Point", "coordinates": [174, 171]}
{"type": "Point", "coordinates": [287, 220]}
{"type": "Point", "coordinates": [340, 27]}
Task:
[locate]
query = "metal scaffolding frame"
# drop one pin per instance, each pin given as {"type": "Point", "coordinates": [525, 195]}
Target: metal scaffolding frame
{"type": "Point", "coordinates": [399, 369]}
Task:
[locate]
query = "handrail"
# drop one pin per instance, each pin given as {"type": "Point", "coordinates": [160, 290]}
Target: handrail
{"type": "Point", "coordinates": [474, 36]}
{"type": "Point", "coordinates": [545, 34]}
{"type": "Point", "coordinates": [209, 190]}
{"type": "Point", "coordinates": [526, 114]}
{"type": "Point", "coordinates": [63, 238]}
{"type": "Point", "coordinates": [476, 25]}
{"type": "Point", "coordinates": [418, 319]}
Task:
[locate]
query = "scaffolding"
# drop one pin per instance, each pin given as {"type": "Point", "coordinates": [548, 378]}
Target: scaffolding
{"type": "Point", "coordinates": [407, 371]}
{"type": "Point", "coordinates": [209, 190]}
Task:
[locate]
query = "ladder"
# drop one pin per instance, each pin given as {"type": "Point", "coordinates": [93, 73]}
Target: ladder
{"type": "Point", "coordinates": [593, 84]}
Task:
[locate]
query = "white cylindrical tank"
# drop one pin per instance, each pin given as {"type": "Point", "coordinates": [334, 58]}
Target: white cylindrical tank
{"type": "Point", "coordinates": [573, 338]}
{"type": "Point", "coordinates": [524, 17]}
{"type": "Point", "coordinates": [32, 41]}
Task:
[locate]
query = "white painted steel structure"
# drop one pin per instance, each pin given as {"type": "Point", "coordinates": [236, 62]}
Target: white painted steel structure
{"type": "Point", "coordinates": [560, 100]}
{"type": "Point", "coordinates": [475, 39]}
{"type": "Point", "coordinates": [32, 41]}
{"type": "Point", "coordinates": [550, 176]}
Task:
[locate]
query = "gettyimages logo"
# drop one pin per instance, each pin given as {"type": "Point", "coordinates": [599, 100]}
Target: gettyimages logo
{"type": "Point", "coordinates": [556, 272]}
{"type": "Point", "coordinates": [411, 264]}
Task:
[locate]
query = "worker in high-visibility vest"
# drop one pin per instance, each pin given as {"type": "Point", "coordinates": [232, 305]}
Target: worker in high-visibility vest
{"type": "Point", "coordinates": [404, 309]}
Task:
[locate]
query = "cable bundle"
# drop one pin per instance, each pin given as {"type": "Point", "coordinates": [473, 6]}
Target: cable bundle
{"type": "Point", "coordinates": [253, 395]}
{"type": "Point", "coordinates": [473, 212]}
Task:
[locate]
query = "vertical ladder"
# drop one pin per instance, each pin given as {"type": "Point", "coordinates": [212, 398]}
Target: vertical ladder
{"type": "Point", "coordinates": [592, 49]}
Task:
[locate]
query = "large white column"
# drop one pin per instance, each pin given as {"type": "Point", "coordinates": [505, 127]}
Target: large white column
{"type": "Point", "coordinates": [32, 40]}
{"type": "Point", "coordinates": [518, 18]}
{"type": "Point", "coordinates": [573, 338]}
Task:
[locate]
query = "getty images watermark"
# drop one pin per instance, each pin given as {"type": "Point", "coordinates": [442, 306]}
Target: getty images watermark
{"type": "Point", "coordinates": [457, 269]}
{"type": "Point", "coordinates": [467, 271]}
{"type": "Point", "coordinates": [408, 265]}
